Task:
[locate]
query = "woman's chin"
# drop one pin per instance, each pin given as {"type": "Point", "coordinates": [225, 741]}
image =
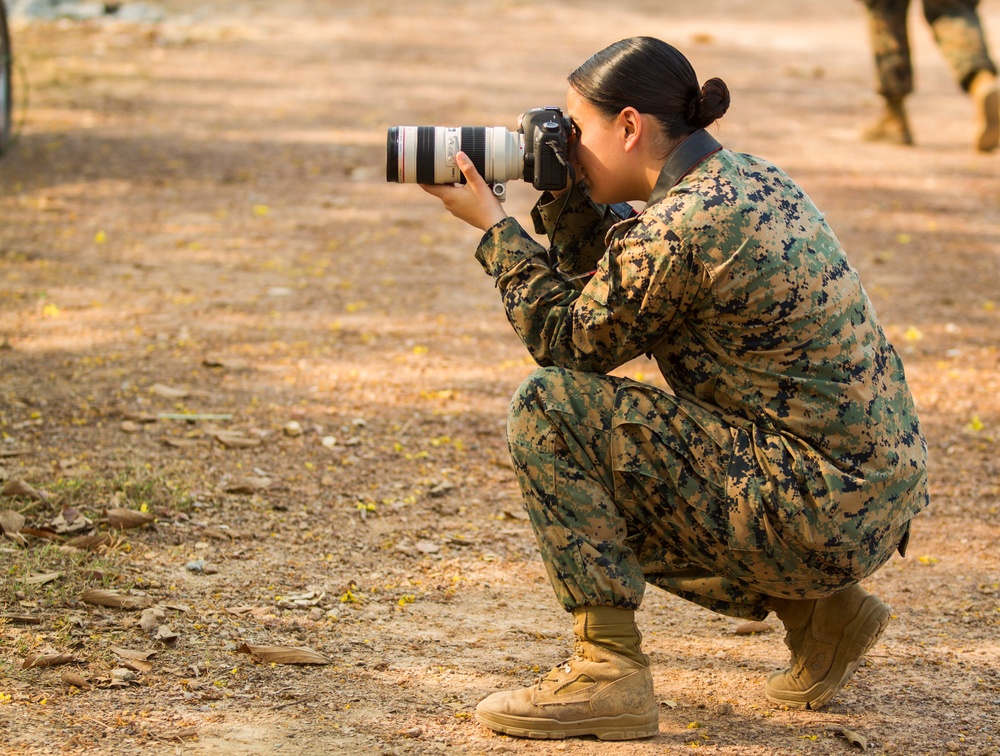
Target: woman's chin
{"type": "Point", "coordinates": [600, 198]}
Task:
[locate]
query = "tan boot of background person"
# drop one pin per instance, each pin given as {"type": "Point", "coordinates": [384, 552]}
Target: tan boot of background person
{"type": "Point", "coordinates": [891, 127]}
{"type": "Point", "coordinates": [986, 99]}
{"type": "Point", "coordinates": [827, 638]}
{"type": "Point", "coordinates": [598, 691]}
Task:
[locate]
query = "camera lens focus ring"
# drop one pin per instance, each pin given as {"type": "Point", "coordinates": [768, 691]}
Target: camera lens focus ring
{"type": "Point", "coordinates": [474, 145]}
{"type": "Point", "coordinates": [392, 155]}
{"type": "Point", "coordinates": [425, 154]}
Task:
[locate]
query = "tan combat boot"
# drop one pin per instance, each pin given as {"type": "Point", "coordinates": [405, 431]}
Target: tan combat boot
{"type": "Point", "coordinates": [827, 638]}
{"type": "Point", "coordinates": [598, 691]}
{"type": "Point", "coordinates": [986, 99]}
{"type": "Point", "coordinates": [891, 127]}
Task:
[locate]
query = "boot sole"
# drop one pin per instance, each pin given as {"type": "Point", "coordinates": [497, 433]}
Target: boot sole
{"type": "Point", "coordinates": [988, 126]}
{"type": "Point", "coordinates": [621, 727]}
{"type": "Point", "coordinates": [864, 632]}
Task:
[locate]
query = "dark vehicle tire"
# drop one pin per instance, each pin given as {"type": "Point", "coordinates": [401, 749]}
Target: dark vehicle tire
{"type": "Point", "coordinates": [6, 64]}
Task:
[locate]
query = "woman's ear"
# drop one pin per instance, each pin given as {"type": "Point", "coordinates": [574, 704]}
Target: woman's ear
{"type": "Point", "coordinates": [630, 123]}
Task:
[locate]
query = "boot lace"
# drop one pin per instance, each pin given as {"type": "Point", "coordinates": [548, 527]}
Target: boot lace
{"type": "Point", "coordinates": [561, 669]}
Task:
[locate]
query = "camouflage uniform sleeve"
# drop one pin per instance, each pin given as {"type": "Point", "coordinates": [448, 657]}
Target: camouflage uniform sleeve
{"type": "Point", "coordinates": [624, 309]}
{"type": "Point", "coordinates": [576, 226]}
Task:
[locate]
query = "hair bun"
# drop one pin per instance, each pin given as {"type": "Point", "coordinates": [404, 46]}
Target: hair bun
{"type": "Point", "coordinates": [656, 79]}
{"type": "Point", "coordinates": [712, 104]}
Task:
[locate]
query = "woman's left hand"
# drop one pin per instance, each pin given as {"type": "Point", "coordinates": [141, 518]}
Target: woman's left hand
{"type": "Point", "coordinates": [473, 202]}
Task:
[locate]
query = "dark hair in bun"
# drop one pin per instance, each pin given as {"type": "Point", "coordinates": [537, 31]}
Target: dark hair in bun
{"type": "Point", "coordinates": [654, 78]}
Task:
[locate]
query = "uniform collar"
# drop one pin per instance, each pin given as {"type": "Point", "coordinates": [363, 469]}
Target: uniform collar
{"type": "Point", "coordinates": [688, 154]}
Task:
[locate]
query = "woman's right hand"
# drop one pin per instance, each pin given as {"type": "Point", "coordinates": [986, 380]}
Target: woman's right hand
{"type": "Point", "coordinates": [473, 202]}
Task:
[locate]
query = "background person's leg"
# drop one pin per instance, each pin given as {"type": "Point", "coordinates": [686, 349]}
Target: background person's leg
{"type": "Point", "coordinates": [958, 32]}
{"type": "Point", "coordinates": [893, 69]}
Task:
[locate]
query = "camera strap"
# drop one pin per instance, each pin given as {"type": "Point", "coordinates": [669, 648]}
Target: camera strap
{"type": "Point", "coordinates": [688, 154]}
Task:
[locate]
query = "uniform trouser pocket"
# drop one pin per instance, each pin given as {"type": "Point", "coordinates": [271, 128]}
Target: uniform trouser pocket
{"type": "Point", "coordinates": [625, 484]}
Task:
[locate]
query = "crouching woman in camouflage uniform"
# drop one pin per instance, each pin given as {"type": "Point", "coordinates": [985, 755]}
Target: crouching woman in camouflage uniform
{"type": "Point", "coordinates": [788, 460]}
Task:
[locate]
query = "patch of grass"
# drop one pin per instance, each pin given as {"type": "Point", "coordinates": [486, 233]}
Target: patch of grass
{"type": "Point", "coordinates": [137, 486]}
{"type": "Point", "coordinates": [134, 485]}
{"type": "Point", "coordinates": [77, 571]}
{"type": "Point", "coordinates": [53, 602]}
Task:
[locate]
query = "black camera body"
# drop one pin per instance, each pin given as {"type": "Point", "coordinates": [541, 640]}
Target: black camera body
{"type": "Point", "coordinates": [546, 147]}
{"type": "Point", "coordinates": [538, 152]}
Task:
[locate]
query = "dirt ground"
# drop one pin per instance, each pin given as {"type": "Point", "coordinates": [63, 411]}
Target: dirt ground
{"type": "Point", "coordinates": [194, 221]}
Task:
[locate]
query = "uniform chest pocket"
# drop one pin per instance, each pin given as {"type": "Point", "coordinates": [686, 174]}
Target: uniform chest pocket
{"type": "Point", "coordinates": [604, 283]}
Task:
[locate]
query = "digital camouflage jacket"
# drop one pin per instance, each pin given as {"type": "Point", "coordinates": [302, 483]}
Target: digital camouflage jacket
{"type": "Point", "coordinates": [732, 281]}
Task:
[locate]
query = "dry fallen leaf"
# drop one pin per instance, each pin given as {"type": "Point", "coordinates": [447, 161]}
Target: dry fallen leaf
{"type": "Point", "coordinates": [427, 547]}
{"type": "Point", "coordinates": [182, 443]}
{"type": "Point", "coordinates": [855, 739]}
{"type": "Point", "coordinates": [69, 520]}
{"type": "Point", "coordinates": [284, 655]}
{"type": "Point", "coordinates": [441, 489]}
{"type": "Point", "coordinates": [183, 734]}
{"type": "Point", "coordinates": [127, 653]}
{"type": "Point", "coordinates": [20, 488]}
{"type": "Point", "coordinates": [124, 519]}
{"type": "Point", "coordinates": [509, 515]}
{"type": "Point", "coordinates": [169, 392]}
{"type": "Point", "coordinates": [307, 599]}
{"type": "Point", "coordinates": [229, 363]}
{"type": "Point", "coordinates": [42, 578]}
{"type": "Point", "coordinates": [235, 440]}
{"type": "Point", "coordinates": [10, 526]}
{"type": "Point", "coordinates": [151, 618]}
{"type": "Point", "coordinates": [44, 532]}
{"type": "Point", "coordinates": [249, 486]}
{"type": "Point", "coordinates": [140, 417]}
{"type": "Point", "coordinates": [11, 522]}
{"type": "Point", "coordinates": [115, 600]}
{"type": "Point", "coordinates": [753, 628]}
{"type": "Point", "coordinates": [165, 635]}
{"type": "Point", "coordinates": [137, 665]}
{"type": "Point", "coordinates": [20, 619]}
{"type": "Point", "coordinates": [77, 681]}
{"type": "Point", "coordinates": [90, 542]}
{"type": "Point", "coordinates": [48, 660]}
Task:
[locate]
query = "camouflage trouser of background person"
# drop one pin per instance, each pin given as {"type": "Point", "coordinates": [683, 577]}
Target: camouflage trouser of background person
{"type": "Point", "coordinates": [626, 484]}
{"type": "Point", "coordinates": [957, 30]}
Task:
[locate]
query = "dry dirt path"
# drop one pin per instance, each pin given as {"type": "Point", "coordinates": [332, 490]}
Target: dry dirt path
{"type": "Point", "coordinates": [194, 220]}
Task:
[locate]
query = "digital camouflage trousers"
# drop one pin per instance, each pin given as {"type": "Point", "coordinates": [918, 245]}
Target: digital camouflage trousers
{"type": "Point", "coordinates": [957, 30]}
{"type": "Point", "coordinates": [625, 484]}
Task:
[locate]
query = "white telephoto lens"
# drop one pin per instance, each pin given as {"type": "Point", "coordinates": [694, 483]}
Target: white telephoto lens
{"type": "Point", "coordinates": [427, 154]}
